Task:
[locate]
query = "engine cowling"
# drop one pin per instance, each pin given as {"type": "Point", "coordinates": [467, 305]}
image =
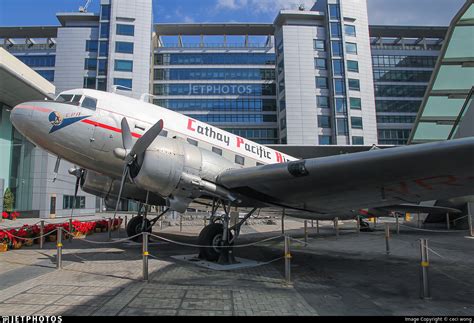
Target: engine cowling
{"type": "Point", "coordinates": [179, 171]}
{"type": "Point", "coordinates": [108, 188]}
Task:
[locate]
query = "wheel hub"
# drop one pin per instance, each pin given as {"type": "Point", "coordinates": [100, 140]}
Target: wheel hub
{"type": "Point", "coordinates": [217, 243]}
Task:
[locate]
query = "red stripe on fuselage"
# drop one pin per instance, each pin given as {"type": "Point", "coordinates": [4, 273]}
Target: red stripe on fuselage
{"type": "Point", "coordinates": [32, 107]}
{"type": "Point", "coordinates": [104, 126]}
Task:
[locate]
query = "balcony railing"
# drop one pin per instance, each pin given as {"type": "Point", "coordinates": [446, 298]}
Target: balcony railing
{"type": "Point", "coordinates": [217, 45]}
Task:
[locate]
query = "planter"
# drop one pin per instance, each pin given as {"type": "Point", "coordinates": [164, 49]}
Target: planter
{"type": "Point", "coordinates": [3, 247]}
{"type": "Point", "coordinates": [17, 245]}
{"type": "Point", "coordinates": [98, 230]}
{"type": "Point", "coordinates": [52, 238]}
{"type": "Point", "coordinates": [79, 235]}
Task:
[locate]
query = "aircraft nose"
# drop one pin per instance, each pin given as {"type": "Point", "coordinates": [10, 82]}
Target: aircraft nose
{"type": "Point", "coordinates": [22, 117]}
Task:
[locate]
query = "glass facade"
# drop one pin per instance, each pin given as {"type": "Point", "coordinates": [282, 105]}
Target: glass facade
{"type": "Point", "coordinates": [214, 74]}
{"type": "Point", "coordinates": [214, 59]}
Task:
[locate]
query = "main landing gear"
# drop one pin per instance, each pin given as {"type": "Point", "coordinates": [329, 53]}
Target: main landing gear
{"type": "Point", "coordinates": [141, 224]}
{"type": "Point", "coordinates": [364, 226]}
{"type": "Point", "coordinates": [217, 238]}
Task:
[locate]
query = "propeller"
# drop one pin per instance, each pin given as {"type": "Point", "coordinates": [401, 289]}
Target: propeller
{"type": "Point", "coordinates": [78, 172]}
{"type": "Point", "coordinates": [131, 153]}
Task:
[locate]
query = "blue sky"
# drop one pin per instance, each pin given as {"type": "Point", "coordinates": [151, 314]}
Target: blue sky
{"type": "Point", "coordinates": [402, 12]}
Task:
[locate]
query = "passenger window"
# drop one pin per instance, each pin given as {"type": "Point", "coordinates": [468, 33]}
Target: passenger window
{"type": "Point", "coordinates": [239, 160]}
{"type": "Point", "coordinates": [89, 103]}
{"type": "Point", "coordinates": [217, 151]}
{"type": "Point", "coordinates": [192, 142]}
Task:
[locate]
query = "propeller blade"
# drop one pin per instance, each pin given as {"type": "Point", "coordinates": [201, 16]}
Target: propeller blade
{"type": "Point", "coordinates": [76, 188]}
{"type": "Point", "coordinates": [145, 141]}
{"type": "Point", "coordinates": [127, 139]}
{"type": "Point", "coordinates": [122, 183]}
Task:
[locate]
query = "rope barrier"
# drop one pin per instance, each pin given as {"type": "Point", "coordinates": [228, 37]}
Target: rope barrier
{"type": "Point", "coordinates": [206, 246]}
{"type": "Point", "coordinates": [37, 237]}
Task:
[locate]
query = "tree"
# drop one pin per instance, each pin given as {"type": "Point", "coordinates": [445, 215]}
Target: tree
{"type": "Point", "coordinates": [8, 200]}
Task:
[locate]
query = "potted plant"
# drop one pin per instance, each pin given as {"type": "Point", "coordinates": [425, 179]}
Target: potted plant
{"type": "Point", "coordinates": [8, 202]}
{"type": "Point", "coordinates": [4, 241]}
{"type": "Point", "coordinates": [47, 229]}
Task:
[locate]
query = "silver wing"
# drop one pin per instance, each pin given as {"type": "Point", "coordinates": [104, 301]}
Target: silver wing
{"type": "Point", "coordinates": [346, 183]}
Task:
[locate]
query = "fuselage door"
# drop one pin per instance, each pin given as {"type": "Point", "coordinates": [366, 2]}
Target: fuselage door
{"type": "Point", "coordinates": [105, 132]}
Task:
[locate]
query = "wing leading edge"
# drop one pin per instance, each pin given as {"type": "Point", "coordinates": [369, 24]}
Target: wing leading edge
{"type": "Point", "coordinates": [375, 178]}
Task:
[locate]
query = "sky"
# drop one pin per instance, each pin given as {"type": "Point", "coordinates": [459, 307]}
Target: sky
{"type": "Point", "coordinates": [381, 12]}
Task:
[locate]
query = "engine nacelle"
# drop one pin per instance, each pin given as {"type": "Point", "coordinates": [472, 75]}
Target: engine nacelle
{"type": "Point", "coordinates": [108, 188]}
{"type": "Point", "coordinates": [180, 171]}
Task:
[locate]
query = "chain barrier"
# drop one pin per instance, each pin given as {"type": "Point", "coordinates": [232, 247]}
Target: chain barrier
{"type": "Point", "coordinates": [37, 237]}
{"type": "Point", "coordinates": [437, 231]}
{"type": "Point", "coordinates": [105, 242]}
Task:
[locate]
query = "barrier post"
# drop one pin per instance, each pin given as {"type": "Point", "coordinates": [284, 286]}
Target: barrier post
{"type": "Point", "coordinates": [283, 222]}
{"type": "Point", "coordinates": [424, 288]}
{"type": "Point", "coordinates": [358, 224]}
{"type": "Point", "coordinates": [109, 229]}
{"type": "Point", "coordinates": [305, 232]}
{"type": "Point", "coordinates": [375, 222]}
{"type": "Point", "coordinates": [287, 260]}
{"type": "Point", "coordinates": [469, 219]}
{"type": "Point", "coordinates": [336, 226]}
{"type": "Point", "coordinates": [118, 227]}
{"type": "Point", "coordinates": [70, 230]}
{"type": "Point", "coordinates": [125, 223]}
{"type": "Point", "coordinates": [317, 226]}
{"type": "Point", "coordinates": [180, 222]}
{"type": "Point", "coordinates": [59, 248]}
{"type": "Point", "coordinates": [41, 234]}
{"type": "Point", "coordinates": [145, 255]}
{"type": "Point", "coordinates": [398, 223]}
{"type": "Point", "coordinates": [387, 238]}
{"type": "Point", "coordinates": [312, 223]}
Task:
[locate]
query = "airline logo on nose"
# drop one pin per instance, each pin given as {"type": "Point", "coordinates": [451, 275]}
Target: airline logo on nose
{"type": "Point", "coordinates": [59, 122]}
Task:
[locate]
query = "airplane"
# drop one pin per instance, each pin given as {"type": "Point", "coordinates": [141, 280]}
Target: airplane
{"type": "Point", "coordinates": [128, 148]}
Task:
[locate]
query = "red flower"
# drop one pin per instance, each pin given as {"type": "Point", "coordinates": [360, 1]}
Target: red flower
{"type": "Point", "coordinates": [5, 215]}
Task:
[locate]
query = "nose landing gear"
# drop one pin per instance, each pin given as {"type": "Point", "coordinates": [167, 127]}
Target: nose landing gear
{"type": "Point", "coordinates": [140, 223]}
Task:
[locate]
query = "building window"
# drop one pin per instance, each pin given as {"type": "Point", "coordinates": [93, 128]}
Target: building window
{"type": "Point", "coordinates": [335, 30]}
{"type": "Point", "coordinates": [354, 84]}
{"type": "Point", "coordinates": [90, 64]}
{"type": "Point", "coordinates": [102, 67]}
{"type": "Point", "coordinates": [339, 87]}
{"type": "Point", "coordinates": [350, 30]}
{"type": "Point", "coordinates": [105, 12]}
{"type": "Point", "coordinates": [103, 48]}
{"type": "Point", "coordinates": [104, 30]}
{"type": "Point", "coordinates": [357, 140]}
{"type": "Point", "coordinates": [89, 82]}
{"type": "Point", "coordinates": [334, 12]}
{"type": "Point", "coordinates": [322, 102]}
{"type": "Point", "coordinates": [123, 65]}
{"type": "Point", "coordinates": [124, 47]}
{"type": "Point", "coordinates": [92, 45]}
{"type": "Point", "coordinates": [321, 82]}
{"type": "Point", "coordinates": [69, 202]}
{"type": "Point", "coordinates": [124, 84]}
{"type": "Point", "coordinates": [239, 160]}
{"type": "Point", "coordinates": [217, 151]}
{"type": "Point", "coordinates": [337, 67]}
{"type": "Point", "coordinates": [356, 122]}
{"type": "Point", "coordinates": [324, 121]}
{"type": "Point", "coordinates": [319, 45]}
{"type": "Point", "coordinates": [341, 106]}
{"type": "Point", "coordinates": [320, 63]}
{"type": "Point", "coordinates": [353, 66]}
{"type": "Point", "coordinates": [351, 48]}
{"type": "Point", "coordinates": [38, 60]}
{"type": "Point", "coordinates": [282, 123]}
{"type": "Point", "coordinates": [125, 30]}
{"type": "Point", "coordinates": [355, 103]}
{"type": "Point", "coordinates": [342, 128]}
{"type": "Point", "coordinates": [102, 84]}
{"type": "Point", "coordinates": [325, 140]}
{"type": "Point", "coordinates": [336, 47]}
{"type": "Point", "coordinates": [46, 74]}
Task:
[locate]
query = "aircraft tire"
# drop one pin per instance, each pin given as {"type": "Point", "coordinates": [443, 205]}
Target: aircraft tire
{"type": "Point", "coordinates": [211, 235]}
{"type": "Point", "coordinates": [134, 227]}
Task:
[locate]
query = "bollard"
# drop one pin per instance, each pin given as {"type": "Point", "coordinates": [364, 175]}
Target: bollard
{"type": "Point", "coordinates": [283, 222]}
{"type": "Point", "coordinates": [180, 222]}
{"type": "Point", "coordinates": [145, 255]}
{"type": "Point", "coordinates": [317, 226]}
{"type": "Point", "coordinates": [70, 230]}
{"type": "Point", "coordinates": [126, 223]}
{"type": "Point", "coordinates": [358, 224]}
{"type": "Point", "coordinates": [118, 227]}
{"type": "Point", "coordinates": [312, 223]}
{"type": "Point", "coordinates": [424, 286]}
{"type": "Point", "coordinates": [305, 232]}
{"type": "Point", "coordinates": [161, 224]}
{"type": "Point", "coordinates": [387, 237]}
{"type": "Point", "coordinates": [59, 250]}
{"type": "Point", "coordinates": [41, 234]}
{"type": "Point", "coordinates": [287, 260]}
{"type": "Point", "coordinates": [398, 224]}
{"type": "Point", "coordinates": [447, 221]}
{"type": "Point", "coordinates": [109, 229]}
{"type": "Point", "coordinates": [469, 219]}
{"type": "Point", "coordinates": [375, 222]}
{"type": "Point", "coordinates": [336, 226]}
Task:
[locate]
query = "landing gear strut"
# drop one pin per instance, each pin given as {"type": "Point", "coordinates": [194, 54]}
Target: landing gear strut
{"type": "Point", "coordinates": [364, 226]}
{"type": "Point", "coordinates": [216, 239]}
{"type": "Point", "coordinates": [140, 223]}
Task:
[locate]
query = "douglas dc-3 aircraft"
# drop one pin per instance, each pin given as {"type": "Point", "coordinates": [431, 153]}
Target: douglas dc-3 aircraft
{"type": "Point", "coordinates": [127, 148]}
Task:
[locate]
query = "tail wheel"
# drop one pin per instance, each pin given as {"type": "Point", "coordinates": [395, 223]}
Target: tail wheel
{"type": "Point", "coordinates": [135, 226]}
{"type": "Point", "coordinates": [211, 236]}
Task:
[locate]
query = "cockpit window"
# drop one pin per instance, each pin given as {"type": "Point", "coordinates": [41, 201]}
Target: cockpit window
{"type": "Point", "coordinates": [65, 97]}
{"type": "Point", "coordinates": [89, 103]}
{"type": "Point", "coordinates": [77, 98]}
